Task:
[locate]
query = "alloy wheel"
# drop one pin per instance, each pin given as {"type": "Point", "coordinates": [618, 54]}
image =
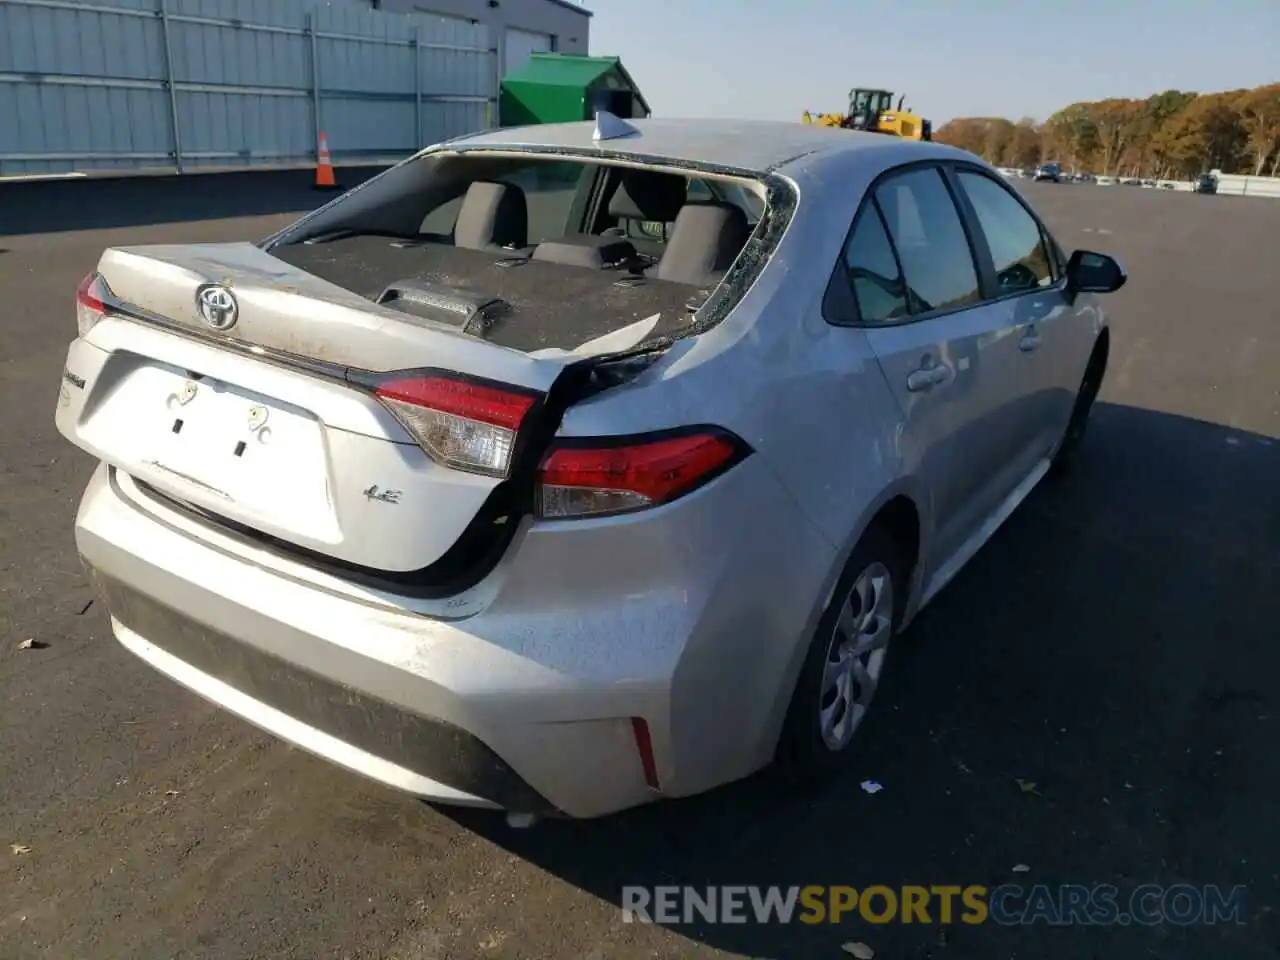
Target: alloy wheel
{"type": "Point", "coordinates": [855, 655]}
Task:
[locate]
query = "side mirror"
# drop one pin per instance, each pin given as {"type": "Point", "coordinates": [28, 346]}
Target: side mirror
{"type": "Point", "coordinates": [1089, 272]}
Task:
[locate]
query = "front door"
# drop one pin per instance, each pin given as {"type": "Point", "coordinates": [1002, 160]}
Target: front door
{"type": "Point", "coordinates": [1031, 290]}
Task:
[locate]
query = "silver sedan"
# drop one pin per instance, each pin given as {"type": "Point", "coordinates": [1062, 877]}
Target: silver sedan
{"type": "Point", "coordinates": [565, 468]}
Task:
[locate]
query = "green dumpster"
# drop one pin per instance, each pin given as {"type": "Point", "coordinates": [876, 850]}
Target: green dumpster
{"type": "Point", "coordinates": [560, 87]}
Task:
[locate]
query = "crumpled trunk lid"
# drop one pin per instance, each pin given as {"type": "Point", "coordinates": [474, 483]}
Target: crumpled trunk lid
{"type": "Point", "coordinates": [270, 424]}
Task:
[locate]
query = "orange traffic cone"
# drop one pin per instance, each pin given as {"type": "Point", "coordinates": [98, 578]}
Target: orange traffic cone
{"type": "Point", "coordinates": [324, 166]}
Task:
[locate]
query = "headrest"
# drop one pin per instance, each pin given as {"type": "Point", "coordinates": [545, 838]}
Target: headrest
{"type": "Point", "coordinates": [580, 250]}
{"type": "Point", "coordinates": [646, 195]}
{"type": "Point", "coordinates": [492, 215]}
{"type": "Point", "coordinates": [705, 240]}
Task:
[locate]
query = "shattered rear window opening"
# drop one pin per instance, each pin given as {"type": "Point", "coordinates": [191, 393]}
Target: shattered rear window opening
{"type": "Point", "coordinates": [544, 251]}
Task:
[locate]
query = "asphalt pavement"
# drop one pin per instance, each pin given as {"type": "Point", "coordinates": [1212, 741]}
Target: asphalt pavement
{"type": "Point", "coordinates": [1091, 698]}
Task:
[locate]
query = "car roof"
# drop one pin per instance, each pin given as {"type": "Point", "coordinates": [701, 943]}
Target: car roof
{"type": "Point", "coordinates": [755, 145]}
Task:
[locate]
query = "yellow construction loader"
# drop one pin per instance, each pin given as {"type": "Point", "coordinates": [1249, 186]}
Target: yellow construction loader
{"type": "Point", "coordinates": [873, 110]}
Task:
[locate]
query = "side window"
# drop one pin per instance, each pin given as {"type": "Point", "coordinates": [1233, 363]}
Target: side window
{"type": "Point", "coordinates": [1018, 248]}
{"type": "Point", "coordinates": [440, 220]}
{"type": "Point", "coordinates": [1059, 258]}
{"type": "Point", "coordinates": [873, 270]}
{"type": "Point", "coordinates": [550, 190]}
{"type": "Point", "coordinates": [700, 192]}
{"type": "Point", "coordinates": [932, 247]}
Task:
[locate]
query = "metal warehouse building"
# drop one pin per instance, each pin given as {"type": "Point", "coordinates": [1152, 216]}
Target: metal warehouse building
{"type": "Point", "coordinates": [195, 85]}
{"type": "Point", "coordinates": [524, 26]}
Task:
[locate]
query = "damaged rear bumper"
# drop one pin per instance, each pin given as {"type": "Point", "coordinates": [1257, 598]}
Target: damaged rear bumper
{"type": "Point", "coordinates": [423, 755]}
{"type": "Point", "coordinates": [682, 617]}
{"type": "Point", "coordinates": [417, 704]}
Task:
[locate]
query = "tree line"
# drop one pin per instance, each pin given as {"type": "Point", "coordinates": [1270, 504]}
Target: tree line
{"type": "Point", "coordinates": [1171, 135]}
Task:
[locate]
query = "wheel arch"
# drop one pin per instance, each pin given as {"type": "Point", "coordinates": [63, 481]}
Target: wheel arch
{"type": "Point", "coordinates": [901, 519]}
{"type": "Point", "coordinates": [899, 510]}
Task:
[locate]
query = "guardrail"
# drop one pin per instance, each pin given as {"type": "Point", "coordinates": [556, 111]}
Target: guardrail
{"type": "Point", "coordinates": [1242, 186]}
{"type": "Point", "coordinates": [1229, 184]}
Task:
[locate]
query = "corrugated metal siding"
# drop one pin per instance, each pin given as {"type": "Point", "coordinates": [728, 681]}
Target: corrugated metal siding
{"type": "Point", "coordinates": [522, 44]}
{"type": "Point", "coordinates": [199, 84]}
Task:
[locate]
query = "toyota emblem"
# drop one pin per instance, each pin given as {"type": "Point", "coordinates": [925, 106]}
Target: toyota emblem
{"type": "Point", "coordinates": [217, 306]}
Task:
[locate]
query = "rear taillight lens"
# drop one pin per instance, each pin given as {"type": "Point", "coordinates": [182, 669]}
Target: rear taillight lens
{"type": "Point", "coordinates": [593, 477]}
{"type": "Point", "coordinates": [461, 423]}
{"type": "Point", "coordinates": [89, 302]}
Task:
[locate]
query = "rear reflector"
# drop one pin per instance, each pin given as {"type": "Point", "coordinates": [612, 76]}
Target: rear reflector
{"type": "Point", "coordinates": [89, 302]}
{"type": "Point", "coordinates": [590, 478]}
{"type": "Point", "coordinates": [644, 746]}
{"type": "Point", "coordinates": [460, 423]}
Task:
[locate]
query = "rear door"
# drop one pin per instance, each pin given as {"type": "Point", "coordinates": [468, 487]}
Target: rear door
{"type": "Point", "coordinates": [1052, 335]}
{"type": "Point", "coordinates": [948, 355]}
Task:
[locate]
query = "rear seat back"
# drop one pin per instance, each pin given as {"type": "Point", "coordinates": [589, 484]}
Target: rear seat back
{"type": "Point", "coordinates": [703, 243]}
{"type": "Point", "coordinates": [494, 216]}
{"type": "Point", "coordinates": [647, 196]}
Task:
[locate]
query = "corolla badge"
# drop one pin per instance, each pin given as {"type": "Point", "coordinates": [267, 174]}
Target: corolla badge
{"type": "Point", "coordinates": [218, 308]}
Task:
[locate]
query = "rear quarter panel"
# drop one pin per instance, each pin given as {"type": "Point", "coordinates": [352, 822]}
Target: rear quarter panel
{"type": "Point", "coordinates": [808, 397]}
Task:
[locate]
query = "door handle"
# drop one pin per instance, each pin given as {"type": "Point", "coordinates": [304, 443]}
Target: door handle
{"type": "Point", "coordinates": [1030, 340]}
{"type": "Point", "coordinates": [926, 377]}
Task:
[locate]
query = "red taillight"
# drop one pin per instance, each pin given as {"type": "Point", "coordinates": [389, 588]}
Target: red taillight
{"type": "Point", "coordinates": [89, 293]}
{"type": "Point", "coordinates": [89, 302]}
{"type": "Point", "coordinates": [461, 423]}
{"type": "Point", "coordinates": [461, 398]}
{"type": "Point", "coordinates": [582, 478]}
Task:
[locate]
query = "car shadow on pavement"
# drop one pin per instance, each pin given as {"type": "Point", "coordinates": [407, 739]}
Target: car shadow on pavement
{"type": "Point", "coordinates": [1091, 698]}
{"type": "Point", "coordinates": [55, 206]}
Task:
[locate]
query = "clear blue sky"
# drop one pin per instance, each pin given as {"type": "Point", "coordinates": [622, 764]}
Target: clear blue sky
{"type": "Point", "coordinates": [773, 59]}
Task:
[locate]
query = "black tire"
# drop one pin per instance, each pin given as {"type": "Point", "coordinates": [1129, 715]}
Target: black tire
{"type": "Point", "coordinates": [1069, 450]}
{"type": "Point", "coordinates": [804, 755]}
